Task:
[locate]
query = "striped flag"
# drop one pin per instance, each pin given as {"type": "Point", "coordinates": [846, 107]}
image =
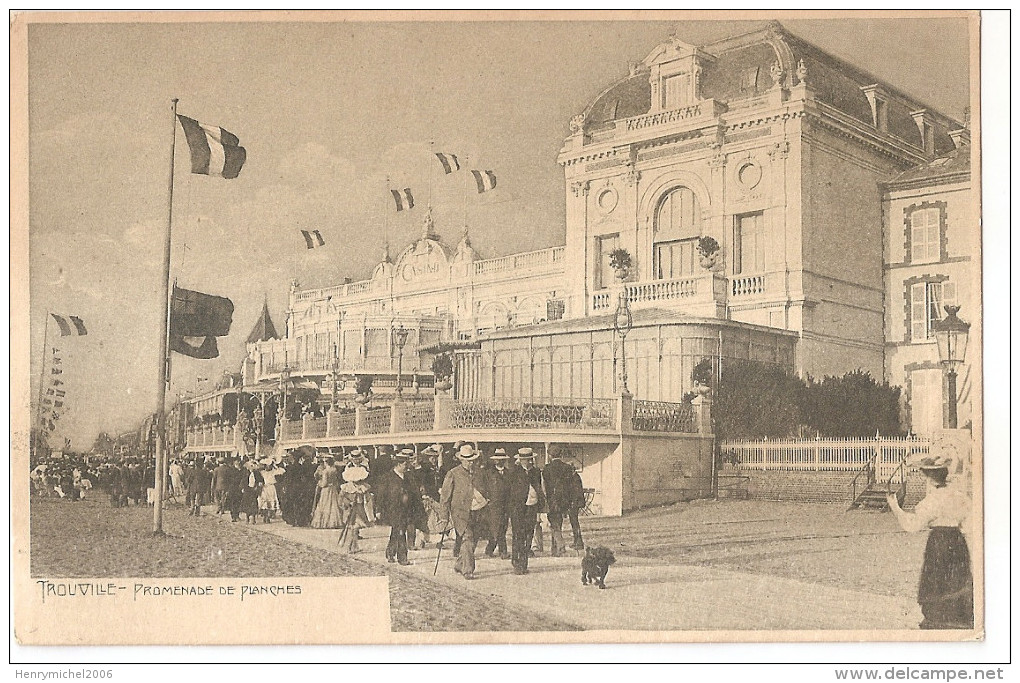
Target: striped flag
{"type": "Point", "coordinates": [317, 242]}
{"type": "Point", "coordinates": [403, 199]}
{"type": "Point", "coordinates": [56, 382]}
{"type": "Point", "coordinates": [449, 162]}
{"type": "Point", "coordinates": [485, 180]}
{"type": "Point", "coordinates": [70, 325]}
{"type": "Point", "coordinates": [214, 151]}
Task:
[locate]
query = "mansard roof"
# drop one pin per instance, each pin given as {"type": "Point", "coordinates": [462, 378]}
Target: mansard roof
{"type": "Point", "coordinates": [741, 66]}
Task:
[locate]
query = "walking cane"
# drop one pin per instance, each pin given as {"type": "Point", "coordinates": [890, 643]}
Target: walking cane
{"type": "Point", "coordinates": [442, 540]}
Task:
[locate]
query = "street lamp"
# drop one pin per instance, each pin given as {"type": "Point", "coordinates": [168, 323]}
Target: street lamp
{"type": "Point", "coordinates": [400, 336]}
{"type": "Point", "coordinates": [339, 383]}
{"type": "Point", "coordinates": [951, 338]}
{"type": "Point", "coordinates": [282, 412]}
{"type": "Point", "coordinates": [623, 321]}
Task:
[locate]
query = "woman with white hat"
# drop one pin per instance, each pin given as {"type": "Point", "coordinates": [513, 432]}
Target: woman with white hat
{"type": "Point", "coordinates": [946, 589]}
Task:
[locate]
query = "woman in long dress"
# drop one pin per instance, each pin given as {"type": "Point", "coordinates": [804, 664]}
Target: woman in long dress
{"type": "Point", "coordinates": [328, 514]}
{"type": "Point", "coordinates": [269, 500]}
{"type": "Point", "coordinates": [946, 589]}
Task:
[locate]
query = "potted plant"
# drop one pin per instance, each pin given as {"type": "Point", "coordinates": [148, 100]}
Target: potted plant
{"type": "Point", "coordinates": [363, 388]}
{"type": "Point", "coordinates": [442, 368]}
{"type": "Point", "coordinates": [702, 376]}
{"type": "Point", "coordinates": [621, 262]}
{"type": "Point", "coordinates": [708, 250]}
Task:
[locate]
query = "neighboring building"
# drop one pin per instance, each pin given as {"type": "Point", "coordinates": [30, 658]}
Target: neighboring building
{"type": "Point", "coordinates": [932, 247]}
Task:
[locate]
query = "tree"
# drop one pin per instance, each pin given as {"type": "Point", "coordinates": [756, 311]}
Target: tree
{"type": "Point", "coordinates": [756, 400]}
{"type": "Point", "coordinates": [853, 405]}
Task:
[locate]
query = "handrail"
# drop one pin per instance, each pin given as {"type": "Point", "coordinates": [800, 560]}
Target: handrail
{"type": "Point", "coordinates": [901, 490]}
{"type": "Point", "coordinates": [869, 469]}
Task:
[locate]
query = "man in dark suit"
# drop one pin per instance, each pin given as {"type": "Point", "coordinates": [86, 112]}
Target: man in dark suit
{"type": "Point", "coordinates": [499, 510]}
{"type": "Point", "coordinates": [221, 483]}
{"type": "Point", "coordinates": [526, 499]}
{"type": "Point", "coordinates": [399, 497]}
{"type": "Point", "coordinates": [558, 478]}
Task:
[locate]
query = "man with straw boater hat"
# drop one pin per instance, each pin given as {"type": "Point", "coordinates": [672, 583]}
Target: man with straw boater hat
{"type": "Point", "coordinates": [499, 511]}
{"type": "Point", "coordinates": [463, 502]}
{"type": "Point", "coordinates": [399, 500]}
{"type": "Point", "coordinates": [525, 501]}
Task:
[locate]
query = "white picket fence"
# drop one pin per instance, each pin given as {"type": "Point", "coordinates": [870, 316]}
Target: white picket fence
{"type": "Point", "coordinates": [823, 455]}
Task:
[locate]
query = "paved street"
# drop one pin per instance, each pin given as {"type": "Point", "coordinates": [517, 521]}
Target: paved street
{"type": "Point", "coordinates": [736, 565]}
{"type": "Point", "coordinates": [726, 565]}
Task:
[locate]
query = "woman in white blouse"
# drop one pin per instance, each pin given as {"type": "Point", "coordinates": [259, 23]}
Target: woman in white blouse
{"type": "Point", "coordinates": [946, 588]}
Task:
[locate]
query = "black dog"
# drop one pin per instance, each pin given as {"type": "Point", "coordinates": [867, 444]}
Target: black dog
{"type": "Point", "coordinates": [595, 566]}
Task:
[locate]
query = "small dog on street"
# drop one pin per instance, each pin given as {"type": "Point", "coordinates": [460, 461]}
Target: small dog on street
{"type": "Point", "coordinates": [595, 566]}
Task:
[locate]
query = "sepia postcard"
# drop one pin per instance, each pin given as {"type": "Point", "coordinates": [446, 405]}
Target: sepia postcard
{"type": "Point", "coordinates": [522, 327]}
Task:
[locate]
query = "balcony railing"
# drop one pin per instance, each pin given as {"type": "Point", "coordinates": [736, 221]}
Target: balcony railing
{"type": "Point", "coordinates": [748, 285]}
{"type": "Point", "coordinates": [704, 288]}
{"type": "Point", "coordinates": [376, 421]}
{"type": "Point", "coordinates": [534, 413]}
{"type": "Point", "coordinates": [659, 416]}
{"type": "Point", "coordinates": [420, 416]}
{"type": "Point", "coordinates": [517, 262]}
{"type": "Point", "coordinates": [594, 417]}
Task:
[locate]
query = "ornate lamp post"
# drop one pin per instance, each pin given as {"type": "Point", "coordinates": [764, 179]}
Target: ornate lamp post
{"type": "Point", "coordinates": [951, 335]}
{"type": "Point", "coordinates": [400, 337]}
{"type": "Point", "coordinates": [623, 321]}
{"type": "Point", "coordinates": [281, 414]}
{"type": "Point", "coordinates": [339, 383]}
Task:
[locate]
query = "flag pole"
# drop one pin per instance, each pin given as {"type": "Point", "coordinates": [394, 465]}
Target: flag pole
{"type": "Point", "coordinates": [42, 380]}
{"type": "Point", "coordinates": [164, 361]}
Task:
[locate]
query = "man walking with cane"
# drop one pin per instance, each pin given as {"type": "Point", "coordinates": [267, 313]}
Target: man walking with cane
{"type": "Point", "coordinates": [462, 503]}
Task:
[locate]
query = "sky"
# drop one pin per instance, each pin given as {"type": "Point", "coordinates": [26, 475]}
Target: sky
{"type": "Point", "coordinates": [327, 113]}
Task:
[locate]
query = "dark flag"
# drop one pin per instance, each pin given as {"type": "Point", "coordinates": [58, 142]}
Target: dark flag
{"type": "Point", "coordinates": [310, 242]}
{"type": "Point", "coordinates": [485, 180]}
{"type": "Point", "coordinates": [196, 316]}
{"type": "Point", "coordinates": [449, 162]}
{"type": "Point", "coordinates": [56, 371]}
{"type": "Point", "coordinates": [214, 151]}
{"type": "Point", "coordinates": [196, 347]}
{"type": "Point", "coordinates": [403, 199]}
{"type": "Point", "coordinates": [71, 325]}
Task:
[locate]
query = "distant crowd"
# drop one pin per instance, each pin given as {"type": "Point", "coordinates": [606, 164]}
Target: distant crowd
{"type": "Point", "coordinates": [424, 496]}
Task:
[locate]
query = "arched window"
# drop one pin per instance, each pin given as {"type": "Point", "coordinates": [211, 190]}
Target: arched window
{"type": "Point", "coordinates": [677, 229]}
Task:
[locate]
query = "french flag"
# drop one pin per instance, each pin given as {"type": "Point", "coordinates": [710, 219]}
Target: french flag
{"type": "Point", "coordinates": [403, 199]}
{"type": "Point", "coordinates": [485, 180]}
{"type": "Point", "coordinates": [70, 325]}
{"type": "Point", "coordinates": [214, 151]}
{"type": "Point", "coordinates": [313, 238]}
{"type": "Point", "coordinates": [449, 162]}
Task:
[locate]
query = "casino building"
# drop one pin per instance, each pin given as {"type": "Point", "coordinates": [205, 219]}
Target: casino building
{"type": "Point", "coordinates": [758, 187]}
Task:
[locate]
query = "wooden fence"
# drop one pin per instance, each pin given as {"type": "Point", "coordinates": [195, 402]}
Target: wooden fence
{"type": "Point", "coordinates": [823, 455]}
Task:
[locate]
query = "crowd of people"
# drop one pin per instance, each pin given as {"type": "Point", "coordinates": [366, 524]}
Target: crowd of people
{"type": "Point", "coordinates": [425, 497]}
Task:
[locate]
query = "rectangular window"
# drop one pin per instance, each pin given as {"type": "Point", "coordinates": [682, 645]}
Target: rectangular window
{"type": "Point", "coordinates": [927, 302]}
{"type": "Point", "coordinates": [604, 272]}
{"type": "Point", "coordinates": [676, 91]}
{"type": "Point", "coordinates": [749, 244]}
{"type": "Point", "coordinates": [675, 259]}
{"type": "Point", "coordinates": [925, 235]}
